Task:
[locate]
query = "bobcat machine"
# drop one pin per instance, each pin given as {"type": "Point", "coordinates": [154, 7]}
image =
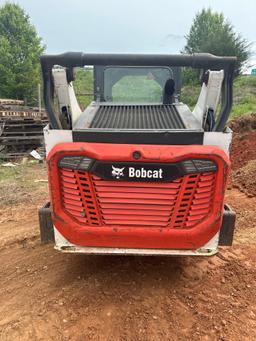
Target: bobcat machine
{"type": "Point", "coordinates": [137, 172]}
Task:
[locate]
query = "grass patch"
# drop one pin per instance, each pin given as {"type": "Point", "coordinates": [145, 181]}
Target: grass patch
{"type": "Point", "coordinates": [137, 89]}
{"type": "Point", "coordinates": [8, 174]}
{"type": "Point", "coordinates": [189, 95]}
{"type": "Point", "coordinates": [244, 95]}
{"type": "Point", "coordinates": [18, 183]}
{"type": "Point", "coordinates": [83, 84]}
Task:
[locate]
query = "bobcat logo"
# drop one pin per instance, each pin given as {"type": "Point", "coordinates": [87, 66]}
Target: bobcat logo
{"type": "Point", "coordinates": [117, 172]}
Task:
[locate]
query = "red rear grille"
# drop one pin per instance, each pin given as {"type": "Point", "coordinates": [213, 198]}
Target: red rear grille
{"type": "Point", "coordinates": [181, 203]}
{"type": "Point", "coordinates": [78, 196]}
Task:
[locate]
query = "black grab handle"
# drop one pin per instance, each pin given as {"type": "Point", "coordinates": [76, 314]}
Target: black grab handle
{"type": "Point", "coordinates": [197, 60]}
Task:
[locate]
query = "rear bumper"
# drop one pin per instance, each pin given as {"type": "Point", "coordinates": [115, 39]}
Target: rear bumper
{"type": "Point", "coordinates": [61, 244]}
{"type": "Point", "coordinates": [223, 238]}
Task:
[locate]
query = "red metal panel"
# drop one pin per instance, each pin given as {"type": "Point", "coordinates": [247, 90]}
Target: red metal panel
{"type": "Point", "coordinates": [184, 213]}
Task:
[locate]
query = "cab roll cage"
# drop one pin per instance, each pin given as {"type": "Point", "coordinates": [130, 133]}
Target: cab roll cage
{"type": "Point", "coordinates": [204, 61]}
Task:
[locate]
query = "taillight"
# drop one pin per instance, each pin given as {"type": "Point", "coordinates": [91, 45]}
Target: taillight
{"type": "Point", "coordinates": [75, 162]}
{"type": "Point", "coordinates": [199, 165]}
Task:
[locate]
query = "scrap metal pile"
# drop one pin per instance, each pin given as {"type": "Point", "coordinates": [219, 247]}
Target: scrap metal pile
{"type": "Point", "coordinates": [21, 129]}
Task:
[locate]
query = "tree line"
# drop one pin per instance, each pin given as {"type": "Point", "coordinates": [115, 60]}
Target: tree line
{"type": "Point", "coordinates": [21, 47]}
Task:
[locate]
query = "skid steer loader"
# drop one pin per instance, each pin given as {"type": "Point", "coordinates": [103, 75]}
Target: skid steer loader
{"type": "Point", "coordinates": [138, 172]}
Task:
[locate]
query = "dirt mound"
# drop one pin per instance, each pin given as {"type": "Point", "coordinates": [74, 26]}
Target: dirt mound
{"type": "Point", "coordinates": [244, 140]}
{"type": "Point", "coordinates": [244, 123]}
{"type": "Point", "coordinates": [243, 155]}
{"type": "Point", "coordinates": [243, 149]}
{"type": "Point", "coordinates": [245, 179]}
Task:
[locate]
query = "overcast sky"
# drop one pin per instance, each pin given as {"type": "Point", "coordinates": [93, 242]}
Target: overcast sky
{"type": "Point", "coordinates": [156, 26]}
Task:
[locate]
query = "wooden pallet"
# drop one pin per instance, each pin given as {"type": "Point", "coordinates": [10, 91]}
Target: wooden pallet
{"type": "Point", "coordinates": [19, 135]}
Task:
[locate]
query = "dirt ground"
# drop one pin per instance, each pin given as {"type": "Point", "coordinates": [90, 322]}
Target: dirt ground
{"type": "Point", "coordinates": [46, 295]}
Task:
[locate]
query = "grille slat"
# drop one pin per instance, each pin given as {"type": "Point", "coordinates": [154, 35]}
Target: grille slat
{"type": "Point", "coordinates": [135, 207]}
{"type": "Point", "coordinates": [68, 180]}
{"type": "Point", "coordinates": [73, 191]}
{"type": "Point", "coordinates": [144, 195]}
{"type": "Point", "coordinates": [137, 201]}
{"type": "Point", "coordinates": [155, 116]}
{"type": "Point", "coordinates": [141, 212]}
{"type": "Point", "coordinates": [159, 185]}
{"type": "Point", "coordinates": [150, 190]}
{"type": "Point", "coordinates": [135, 219]}
{"type": "Point", "coordinates": [72, 208]}
{"type": "Point", "coordinates": [142, 223]}
{"type": "Point", "coordinates": [72, 202]}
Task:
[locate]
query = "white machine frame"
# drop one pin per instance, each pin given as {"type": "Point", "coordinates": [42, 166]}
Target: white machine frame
{"type": "Point", "coordinates": [208, 99]}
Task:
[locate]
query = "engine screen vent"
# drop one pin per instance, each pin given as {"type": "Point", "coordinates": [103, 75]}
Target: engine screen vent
{"type": "Point", "coordinates": [156, 116]}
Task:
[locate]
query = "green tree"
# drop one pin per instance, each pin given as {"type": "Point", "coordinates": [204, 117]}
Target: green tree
{"type": "Point", "coordinates": [20, 48]}
{"type": "Point", "coordinates": [211, 32]}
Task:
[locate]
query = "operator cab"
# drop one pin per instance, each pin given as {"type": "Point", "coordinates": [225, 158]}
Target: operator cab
{"type": "Point", "coordinates": [147, 98]}
{"type": "Point", "coordinates": [134, 98]}
{"type": "Point", "coordinates": [137, 102]}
